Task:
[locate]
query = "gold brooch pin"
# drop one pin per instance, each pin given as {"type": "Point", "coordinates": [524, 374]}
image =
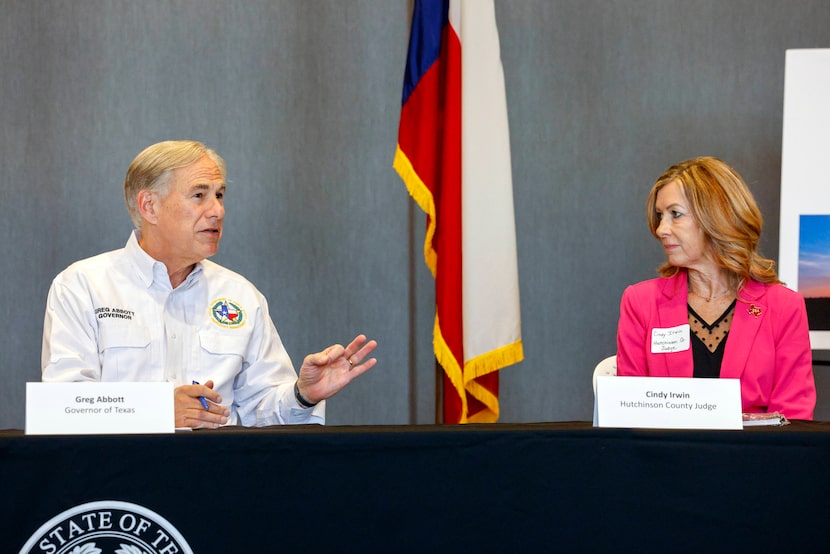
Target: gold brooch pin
{"type": "Point", "coordinates": [754, 310]}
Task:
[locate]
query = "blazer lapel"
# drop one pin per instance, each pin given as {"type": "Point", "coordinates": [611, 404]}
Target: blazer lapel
{"type": "Point", "coordinates": [671, 307]}
{"type": "Point", "coordinates": [750, 311]}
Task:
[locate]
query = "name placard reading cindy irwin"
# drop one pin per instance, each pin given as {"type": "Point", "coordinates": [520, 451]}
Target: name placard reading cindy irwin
{"type": "Point", "coordinates": [99, 408]}
{"type": "Point", "coordinates": [669, 403]}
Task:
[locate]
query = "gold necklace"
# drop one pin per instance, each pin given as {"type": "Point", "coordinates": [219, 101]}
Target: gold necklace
{"type": "Point", "coordinates": [710, 298]}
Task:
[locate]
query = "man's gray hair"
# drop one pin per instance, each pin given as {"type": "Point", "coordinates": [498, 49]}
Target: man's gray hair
{"type": "Point", "coordinates": [152, 168]}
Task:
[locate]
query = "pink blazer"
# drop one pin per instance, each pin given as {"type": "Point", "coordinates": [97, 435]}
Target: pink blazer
{"type": "Point", "coordinates": [768, 347]}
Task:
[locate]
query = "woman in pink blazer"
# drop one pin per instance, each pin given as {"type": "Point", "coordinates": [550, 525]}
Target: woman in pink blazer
{"type": "Point", "coordinates": [718, 308]}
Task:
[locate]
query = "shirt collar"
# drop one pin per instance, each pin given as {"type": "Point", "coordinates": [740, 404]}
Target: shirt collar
{"type": "Point", "coordinates": [151, 270]}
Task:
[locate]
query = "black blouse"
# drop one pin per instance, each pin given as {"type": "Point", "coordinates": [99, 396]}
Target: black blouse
{"type": "Point", "coordinates": [709, 342]}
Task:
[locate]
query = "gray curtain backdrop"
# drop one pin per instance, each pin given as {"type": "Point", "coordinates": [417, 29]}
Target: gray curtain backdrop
{"type": "Point", "coordinates": [302, 99]}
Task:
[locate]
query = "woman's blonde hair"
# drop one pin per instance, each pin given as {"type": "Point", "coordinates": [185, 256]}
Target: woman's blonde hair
{"type": "Point", "coordinates": [152, 168]}
{"type": "Point", "coordinates": [726, 212]}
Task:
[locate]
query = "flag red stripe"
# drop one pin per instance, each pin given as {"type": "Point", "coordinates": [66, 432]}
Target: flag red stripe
{"type": "Point", "coordinates": [448, 287]}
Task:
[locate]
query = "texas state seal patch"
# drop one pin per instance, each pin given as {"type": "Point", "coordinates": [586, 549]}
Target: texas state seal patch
{"type": "Point", "coordinates": [227, 313]}
{"type": "Point", "coordinates": [107, 527]}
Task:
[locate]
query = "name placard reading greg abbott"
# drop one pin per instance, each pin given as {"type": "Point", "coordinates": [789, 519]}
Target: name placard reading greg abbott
{"type": "Point", "coordinates": [99, 408]}
{"type": "Point", "coordinates": [669, 403]}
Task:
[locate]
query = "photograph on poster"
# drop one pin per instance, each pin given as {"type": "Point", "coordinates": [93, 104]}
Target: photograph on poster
{"type": "Point", "coordinates": [804, 231]}
{"type": "Point", "coordinates": [814, 268]}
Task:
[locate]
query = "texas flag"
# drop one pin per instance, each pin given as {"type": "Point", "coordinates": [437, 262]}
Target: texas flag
{"type": "Point", "coordinates": [453, 154]}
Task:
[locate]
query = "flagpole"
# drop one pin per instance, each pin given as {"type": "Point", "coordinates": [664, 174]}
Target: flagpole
{"type": "Point", "coordinates": [439, 396]}
{"type": "Point", "coordinates": [414, 258]}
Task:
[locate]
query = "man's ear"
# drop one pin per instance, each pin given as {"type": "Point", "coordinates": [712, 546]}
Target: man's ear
{"type": "Point", "coordinates": [147, 202]}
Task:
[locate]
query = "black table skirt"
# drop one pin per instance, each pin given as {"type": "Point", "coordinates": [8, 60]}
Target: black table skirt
{"type": "Point", "coordinates": [486, 488]}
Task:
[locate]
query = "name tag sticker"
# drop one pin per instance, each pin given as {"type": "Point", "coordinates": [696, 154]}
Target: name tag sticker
{"type": "Point", "coordinates": [672, 339]}
{"type": "Point", "coordinates": [99, 408]}
{"type": "Point", "coordinates": [668, 403]}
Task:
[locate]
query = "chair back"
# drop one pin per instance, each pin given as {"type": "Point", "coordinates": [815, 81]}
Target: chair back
{"type": "Point", "coordinates": [608, 367]}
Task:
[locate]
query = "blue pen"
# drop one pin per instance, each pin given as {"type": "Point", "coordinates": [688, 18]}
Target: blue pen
{"type": "Point", "coordinates": [202, 398]}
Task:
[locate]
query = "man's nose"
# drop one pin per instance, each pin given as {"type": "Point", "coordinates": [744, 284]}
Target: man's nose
{"type": "Point", "coordinates": [217, 209]}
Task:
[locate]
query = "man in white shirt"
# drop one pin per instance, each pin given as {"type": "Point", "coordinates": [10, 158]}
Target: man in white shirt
{"type": "Point", "coordinates": [158, 310]}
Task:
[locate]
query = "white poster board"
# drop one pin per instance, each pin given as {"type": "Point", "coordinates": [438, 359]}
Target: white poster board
{"type": "Point", "coordinates": [804, 248]}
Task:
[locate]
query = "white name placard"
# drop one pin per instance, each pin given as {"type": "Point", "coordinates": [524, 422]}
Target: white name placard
{"type": "Point", "coordinates": [668, 403]}
{"type": "Point", "coordinates": [99, 408]}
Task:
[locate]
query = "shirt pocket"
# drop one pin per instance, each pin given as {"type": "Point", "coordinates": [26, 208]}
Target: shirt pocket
{"type": "Point", "coordinates": [221, 359]}
{"type": "Point", "coordinates": [221, 344]}
{"type": "Point", "coordinates": [124, 351]}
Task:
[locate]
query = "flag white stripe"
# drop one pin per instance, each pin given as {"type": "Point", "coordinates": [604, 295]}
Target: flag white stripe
{"type": "Point", "coordinates": [490, 267]}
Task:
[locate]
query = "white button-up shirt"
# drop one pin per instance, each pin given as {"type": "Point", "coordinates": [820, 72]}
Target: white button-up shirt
{"type": "Point", "coordinates": [115, 317]}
